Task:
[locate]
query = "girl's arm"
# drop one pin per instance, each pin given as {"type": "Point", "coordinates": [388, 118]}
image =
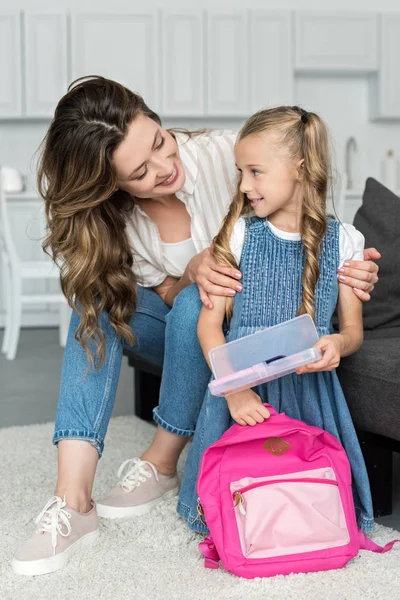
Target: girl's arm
{"type": "Point", "coordinates": [209, 327]}
{"type": "Point", "coordinates": [245, 407]}
{"type": "Point", "coordinates": [350, 320]}
{"type": "Point", "coordinates": [349, 338]}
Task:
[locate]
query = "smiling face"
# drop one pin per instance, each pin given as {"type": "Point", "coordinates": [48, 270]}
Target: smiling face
{"type": "Point", "coordinates": [147, 161]}
{"type": "Point", "coordinates": [270, 177]}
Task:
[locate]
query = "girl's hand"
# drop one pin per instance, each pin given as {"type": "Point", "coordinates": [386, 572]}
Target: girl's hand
{"type": "Point", "coordinates": [246, 408]}
{"type": "Point", "coordinates": [361, 275]}
{"type": "Point", "coordinates": [213, 278]}
{"type": "Point", "coordinates": [331, 346]}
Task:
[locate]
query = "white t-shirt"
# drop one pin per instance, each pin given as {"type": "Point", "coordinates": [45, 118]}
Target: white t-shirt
{"type": "Point", "coordinates": [177, 255]}
{"type": "Point", "coordinates": [351, 241]}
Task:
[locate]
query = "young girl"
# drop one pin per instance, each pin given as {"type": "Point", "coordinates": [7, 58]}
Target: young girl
{"type": "Point", "coordinates": [288, 251]}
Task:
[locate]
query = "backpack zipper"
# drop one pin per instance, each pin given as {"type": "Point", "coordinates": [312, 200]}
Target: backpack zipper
{"type": "Point", "coordinates": [238, 500]}
{"type": "Point", "coordinates": [200, 512]}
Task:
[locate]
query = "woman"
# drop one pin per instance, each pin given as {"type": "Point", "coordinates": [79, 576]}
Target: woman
{"type": "Point", "coordinates": [128, 202]}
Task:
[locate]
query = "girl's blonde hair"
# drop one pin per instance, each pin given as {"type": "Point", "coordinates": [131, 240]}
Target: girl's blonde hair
{"type": "Point", "coordinates": [305, 136]}
{"type": "Point", "coordinates": [86, 213]}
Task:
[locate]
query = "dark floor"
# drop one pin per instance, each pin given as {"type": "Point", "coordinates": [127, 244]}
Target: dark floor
{"type": "Point", "coordinates": [29, 385]}
{"type": "Point", "coordinates": [29, 388]}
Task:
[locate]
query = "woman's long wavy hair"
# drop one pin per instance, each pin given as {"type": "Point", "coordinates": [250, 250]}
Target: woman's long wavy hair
{"type": "Point", "coordinates": [305, 138]}
{"type": "Point", "coordinates": [86, 212]}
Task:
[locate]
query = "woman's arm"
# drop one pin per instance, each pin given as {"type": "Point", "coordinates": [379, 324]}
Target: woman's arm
{"type": "Point", "coordinates": [208, 274]}
{"type": "Point", "coordinates": [361, 275]}
{"type": "Point", "coordinates": [170, 288]}
{"type": "Point", "coordinates": [349, 338]}
{"type": "Point", "coordinates": [212, 278]}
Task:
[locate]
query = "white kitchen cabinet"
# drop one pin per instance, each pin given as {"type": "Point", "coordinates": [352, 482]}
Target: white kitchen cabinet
{"type": "Point", "coordinates": [336, 41]}
{"type": "Point", "coordinates": [123, 47]}
{"type": "Point", "coordinates": [183, 63]}
{"type": "Point", "coordinates": [46, 76]}
{"type": "Point", "coordinates": [385, 85]}
{"type": "Point", "coordinates": [228, 80]}
{"type": "Point", "coordinates": [270, 59]}
{"type": "Point", "coordinates": [10, 64]}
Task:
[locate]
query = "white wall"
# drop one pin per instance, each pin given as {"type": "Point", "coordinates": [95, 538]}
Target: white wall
{"type": "Point", "coordinates": [343, 103]}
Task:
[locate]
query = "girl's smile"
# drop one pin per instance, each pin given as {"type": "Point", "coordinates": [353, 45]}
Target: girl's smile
{"type": "Point", "coordinates": [254, 201]}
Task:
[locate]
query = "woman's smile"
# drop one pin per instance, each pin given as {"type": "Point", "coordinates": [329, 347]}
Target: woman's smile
{"type": "Point", "coordinates": [172, 178]}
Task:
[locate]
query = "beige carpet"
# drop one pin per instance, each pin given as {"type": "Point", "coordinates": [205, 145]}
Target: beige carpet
{"type": "Point", "coordinates": [151, 557]}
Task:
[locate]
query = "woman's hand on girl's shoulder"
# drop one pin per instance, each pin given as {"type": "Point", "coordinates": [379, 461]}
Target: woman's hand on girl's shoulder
{"type": "Point", "coordinates": [331, 347]}
{"type": "Point", "coordinates": [212, 278]}
{"type": "Point", "coordinates": [246, 408]}
{"type": "Point", "coordinates": [361, 275]}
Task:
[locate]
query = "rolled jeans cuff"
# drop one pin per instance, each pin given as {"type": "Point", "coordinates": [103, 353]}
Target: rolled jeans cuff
{"type": "Point", "coordinates": [80, 434]}
{"type": "Point", "coordinates": [171, 428]}
{"type": "Point", "coordinates": [194, 523]}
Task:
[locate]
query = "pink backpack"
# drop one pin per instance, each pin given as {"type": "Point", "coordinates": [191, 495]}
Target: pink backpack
{"type": "Point", "coordinates": [277, 499]}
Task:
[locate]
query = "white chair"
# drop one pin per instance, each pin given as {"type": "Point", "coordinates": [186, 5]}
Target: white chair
{"type": "Point", "coordinates": [15, 271]}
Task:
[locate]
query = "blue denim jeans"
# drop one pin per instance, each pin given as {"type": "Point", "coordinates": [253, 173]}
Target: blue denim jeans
{"type": "Point", "coordinates": [166, 336]}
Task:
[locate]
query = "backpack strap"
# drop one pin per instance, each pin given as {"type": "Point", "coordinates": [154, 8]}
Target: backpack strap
{"type": "Point", "coordinates": [210, 553]}
{"type": "Point", "coordinates": [367, 544]}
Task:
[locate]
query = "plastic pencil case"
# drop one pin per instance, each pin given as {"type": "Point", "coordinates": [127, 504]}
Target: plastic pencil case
{"type": "Point", "coordinates": [263, 372]}
{"type": "Point", "coordinates": [264, 355]}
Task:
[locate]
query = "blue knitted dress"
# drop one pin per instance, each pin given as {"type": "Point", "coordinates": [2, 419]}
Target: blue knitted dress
{"type": "Point", "coordinates": [272, 292]}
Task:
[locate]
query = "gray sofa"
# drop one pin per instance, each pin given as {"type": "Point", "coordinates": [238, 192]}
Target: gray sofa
{"type": "Point", "coordinates": [371, 377]}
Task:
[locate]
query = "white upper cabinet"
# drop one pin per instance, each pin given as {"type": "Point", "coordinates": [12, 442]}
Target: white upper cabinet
{"type": "Point", "coordinates": [228, 80]}
{"type": "Point", "coordinates": [183, 63]}
{"type": "Point", "coordinates": [46, 77]}
{"type": "Point", "coordinates": [194, 63]}
{"type": "Point", "coordinates": [270, 59]}
{"type": "Point", "coordinates": [336, 41]}
{"type": "Point", "coordinates": [123, 47]}
{"type": "Point", "coordinates": [385, 86]}
{"type": "Point", "coordinates": [10, 64]}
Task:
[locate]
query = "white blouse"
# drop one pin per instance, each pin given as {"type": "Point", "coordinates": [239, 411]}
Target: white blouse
{"type": "Point", "coordinates": [211, 176]}
{"type": "Point", "coordinates": [351, 241]}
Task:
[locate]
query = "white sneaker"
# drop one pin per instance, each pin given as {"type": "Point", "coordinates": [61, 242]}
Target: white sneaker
{"type": "Point", "coordinates": [140, 489]}
{"type": "Point", "coordinates": [61, 532]}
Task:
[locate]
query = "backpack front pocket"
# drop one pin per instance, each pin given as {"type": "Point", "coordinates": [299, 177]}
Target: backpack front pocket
{"type": "Point", "coordinates": [289, 515]}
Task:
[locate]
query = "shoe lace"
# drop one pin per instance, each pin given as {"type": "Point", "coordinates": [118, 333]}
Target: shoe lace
{"type": "Point", "coordinates": [136, 473]}
{"type": "Point", "coordinates": [52, 519]}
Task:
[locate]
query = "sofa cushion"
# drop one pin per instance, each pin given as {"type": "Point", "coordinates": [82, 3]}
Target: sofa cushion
{"type": "Point", "coordinates": [370, 379]}
{"type": "Point", "coordinates": [378, 219]}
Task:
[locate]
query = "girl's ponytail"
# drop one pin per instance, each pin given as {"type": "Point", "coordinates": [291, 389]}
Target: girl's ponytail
{"type": "Point", "coordinates": [222, 241]}
{"type": "Point", "coordinates": [316, 167]}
